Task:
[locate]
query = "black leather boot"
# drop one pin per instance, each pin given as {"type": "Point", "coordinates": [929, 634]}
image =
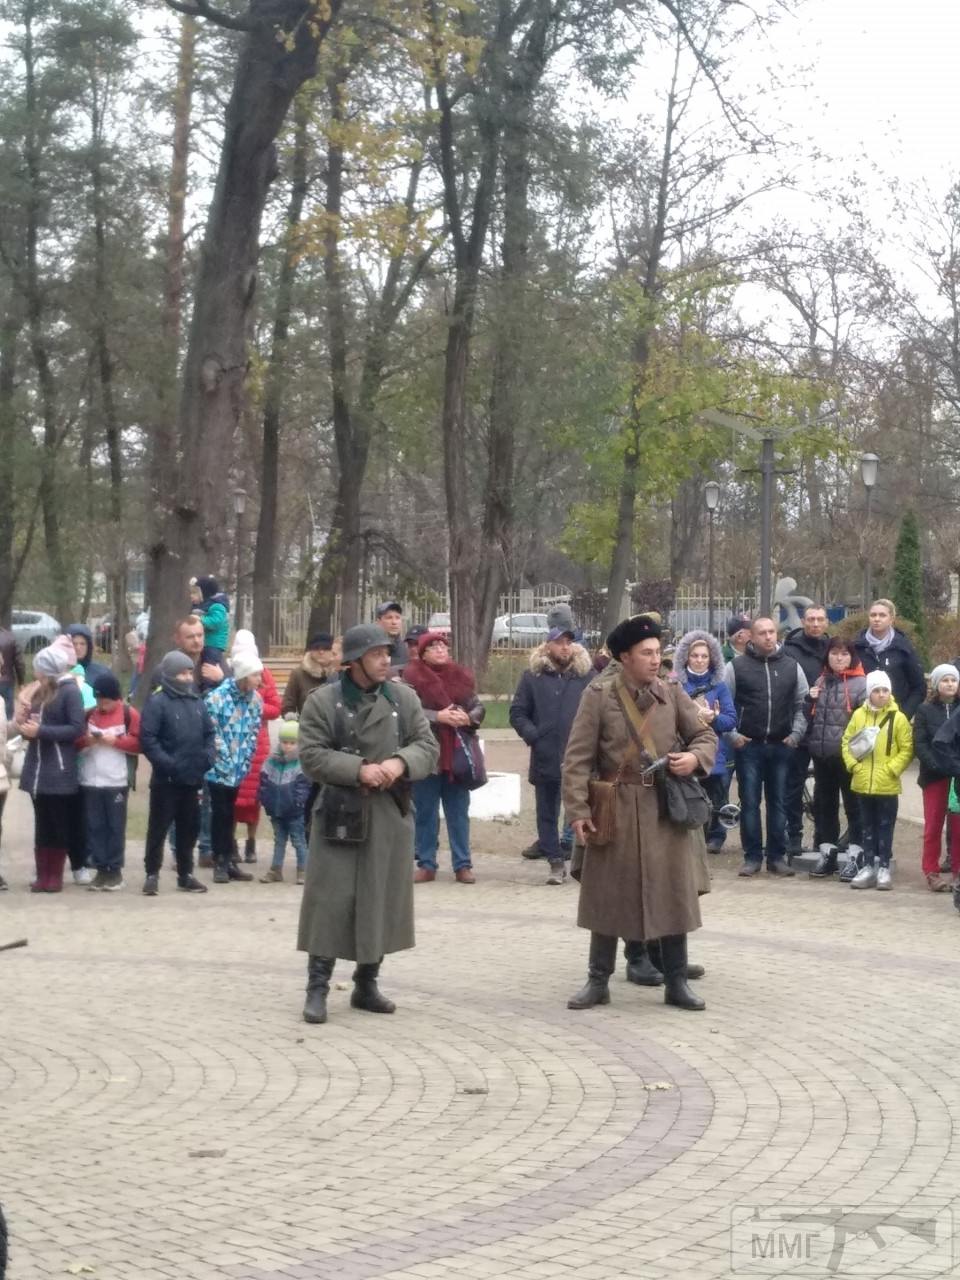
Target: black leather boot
{"type": "Point", "coordinates": [602, 962]}
{"type": "Point", "coordinates": [656, 959]}
{"type": "Point", "coordinates": [640, 968]}
{"type": "Point", "coordinates": [826, 863]}
{"type": "Point", "coordinates": [366, 994]}
{"type": "Point", "coordinates": [673, 950]}
{"type": "Point", "coordinates": [319, 973]}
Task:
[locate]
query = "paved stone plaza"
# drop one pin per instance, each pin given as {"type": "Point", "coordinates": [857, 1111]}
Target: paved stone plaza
{"type": "Point", "coordinates": [167, 1116]}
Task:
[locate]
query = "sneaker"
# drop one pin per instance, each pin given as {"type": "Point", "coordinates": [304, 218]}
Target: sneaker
{"type": "Point", "coordinates": [749, 868]}
{"type": "Point", "coordinates": [99, 882]}
{"type": "Point", "coordinates": [852, 865]}
{"type": "Point", "coordinates": [937, 884]}
{"type": "Point", "coordinates": [273, 876]}
{"type": "Point", "coordinates": [190, 884]}
{"type": "Point", "coordinates": [221, 875]}
{"type": "Point", "coordinates": [151, 886]}
{"type": "Point", "coordinates": [884, 878]}
{"type": "Point", "coordinates": [780, 867]}
{"type": "Point", "coordinates": [113, 882]}
{"type": "Point", "coordinates": [866, 878]}
{"type": "Point", "coordinates": [83, 876]}
{"type": "Point", "coordinates": [532, 852]}
{"type": "Point", "coordinates": [558, 873]}
{"type": "Point", "coordinates": [301, 875]}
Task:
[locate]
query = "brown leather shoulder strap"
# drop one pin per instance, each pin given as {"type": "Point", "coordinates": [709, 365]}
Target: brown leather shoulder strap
{"type": "Point", "coordinates": [636, 723]}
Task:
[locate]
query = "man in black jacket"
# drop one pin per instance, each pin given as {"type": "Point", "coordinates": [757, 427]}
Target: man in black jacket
{"type": "Point", "coordinates": [11, 668]}
{"type": "Point", "coordinates": [768, 688]}
{"type": "Point", "coordinates": [808, 644]}
{"type": "Point", "coordinates": [542, 712]}
{"type": "Point", "coordinates": [177, 737]}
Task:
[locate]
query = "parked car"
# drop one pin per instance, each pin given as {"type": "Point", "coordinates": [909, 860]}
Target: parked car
{"type": "Point", "coordinates": [519, 630]}
{"type": "Point", "coordinates": [439, 622]}
{"type": "Point", "coordinates": [34, 630]}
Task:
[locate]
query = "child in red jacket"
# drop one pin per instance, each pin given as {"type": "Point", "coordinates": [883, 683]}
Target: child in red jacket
{"type": "Point", "coordinates": [112, 739]}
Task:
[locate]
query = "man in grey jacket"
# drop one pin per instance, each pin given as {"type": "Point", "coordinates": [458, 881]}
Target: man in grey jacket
{"type": "Point", "coordinates": [768, 688]}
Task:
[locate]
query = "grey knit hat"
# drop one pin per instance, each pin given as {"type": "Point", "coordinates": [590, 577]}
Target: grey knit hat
{"type": "Point", "coordinates": [361, 639]}
{"type": "Point", "coordinates": [174, 663]}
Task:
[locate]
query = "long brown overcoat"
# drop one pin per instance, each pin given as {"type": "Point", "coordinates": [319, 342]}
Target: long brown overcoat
{"type": "Point", "coordinates": [358, 899]}
{"type": "Point", "coordinates": [644, 884]}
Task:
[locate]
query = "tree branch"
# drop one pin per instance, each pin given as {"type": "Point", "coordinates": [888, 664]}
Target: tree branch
{"type": "Point", "coordinates": [203, 9]}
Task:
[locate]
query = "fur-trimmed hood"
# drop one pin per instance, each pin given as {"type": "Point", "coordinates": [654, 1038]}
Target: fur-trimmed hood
{"type": "Point", "coordinates": [580, 663]}
{"type": "Point", "coordinates": [686, 643]}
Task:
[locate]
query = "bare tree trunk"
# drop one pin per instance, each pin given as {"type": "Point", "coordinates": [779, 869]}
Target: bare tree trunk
{"type": "Point", "coordinates": [9, 337]}
{"type": "Point", "coordinates": [35, 306]}
{"type": "Point", "coordinates": [265, 556]}
{"type": "Point", "coordinates": [278, 55]}
{"type": "Point", "coordinates": [163, 442]}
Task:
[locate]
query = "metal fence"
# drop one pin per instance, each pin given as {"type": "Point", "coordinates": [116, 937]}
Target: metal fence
{"type": "Point", "coordinates": [691, 610]}
{"type": "Point", "coordinates": [290, 616]}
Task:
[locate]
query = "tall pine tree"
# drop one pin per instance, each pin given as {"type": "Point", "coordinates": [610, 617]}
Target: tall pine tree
{"type": "Point", "coordinates": [908, 575]}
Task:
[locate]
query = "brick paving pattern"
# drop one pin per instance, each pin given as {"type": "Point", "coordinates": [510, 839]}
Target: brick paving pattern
{"type": "Point", "coordinates": [167, 1116]}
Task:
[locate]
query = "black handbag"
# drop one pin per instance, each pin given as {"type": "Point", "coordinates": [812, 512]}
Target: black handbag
{"type": "Point", "coordinates": [682, 800]}
{"type": "Point", "coordinates": [468, 766]}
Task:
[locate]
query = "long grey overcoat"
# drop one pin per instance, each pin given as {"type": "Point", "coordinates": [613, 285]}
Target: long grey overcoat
{"type": "Point", "coordinates": [358, 899]}
{"type": "Point", "coordinates": [644, 884]}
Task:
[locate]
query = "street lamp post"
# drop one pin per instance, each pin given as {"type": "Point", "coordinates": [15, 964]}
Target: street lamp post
{"type": "Point", "coordinates": [239, 506]}
{"type": "Point", "coordinates": [711, 496]}
{"type": "Point", "coordinates": [869, 464]}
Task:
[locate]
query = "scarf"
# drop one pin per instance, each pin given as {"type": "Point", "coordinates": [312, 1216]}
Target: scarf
{"type": "Point", "coordinates": [879, 643]}
{"type": "Point", "coordinates": [437, 688]}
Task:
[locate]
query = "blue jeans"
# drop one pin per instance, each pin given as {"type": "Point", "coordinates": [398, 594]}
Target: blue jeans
{"type": "Point", "coordinates": [427, 797]}
{"type": "Point", "coordinates": [548, 819]}
{"type": "Point", "coordinates": [291, 829]}
{"type": "Point", "coordinates": [6, 692]}
{"type": "Point", "coordinates": [763, 769]}
{"type": "Point", "coordinates": [878, 815]}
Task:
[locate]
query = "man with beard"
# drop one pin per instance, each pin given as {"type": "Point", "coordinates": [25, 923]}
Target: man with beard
{"type": "Point", "coordinates": [542, 712]}
{"type": "Point", "coordinates": [390, 619]}
{"type": "Point", "coordinates": [808, 644]}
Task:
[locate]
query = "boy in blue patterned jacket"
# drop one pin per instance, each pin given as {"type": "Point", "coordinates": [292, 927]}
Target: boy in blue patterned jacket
{"type": "Point", "coordinates": [236, 710]}
{"type": "Point", "coordinates": [284, 793]}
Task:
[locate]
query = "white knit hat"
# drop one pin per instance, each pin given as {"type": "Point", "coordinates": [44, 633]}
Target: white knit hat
{"type": "Point", "coordinates": [941, 672]}
{"type": "Point", "coordinates": [878, 680]}
{"type": "Point", "coordinates": [246, 663]}
{"type": "Point", "coordinates": [243, 640]}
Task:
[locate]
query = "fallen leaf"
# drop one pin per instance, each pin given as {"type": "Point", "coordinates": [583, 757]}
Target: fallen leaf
{"type": "Point", "coordinates": [474, 1089]}
{"type": "Point", "coordinates": [210, 1153]}
{"type": "Point", "coordinates": [80, 1269]}
{"type": "Point", "coordinates": [655, 1086]}
{"type": "Point", "coordinates": [116, 1079]}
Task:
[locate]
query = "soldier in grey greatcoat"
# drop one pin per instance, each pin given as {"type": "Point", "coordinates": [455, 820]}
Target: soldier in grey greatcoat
{"type": "Point", "coordinates": [364, 740]}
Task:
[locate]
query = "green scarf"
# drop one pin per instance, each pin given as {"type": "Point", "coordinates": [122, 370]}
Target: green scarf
{"type": "Point", "coordinates": [353, 695]}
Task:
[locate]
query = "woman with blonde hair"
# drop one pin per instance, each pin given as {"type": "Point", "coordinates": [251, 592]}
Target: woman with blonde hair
{"type": "Point", "coordinates": [883, 647]}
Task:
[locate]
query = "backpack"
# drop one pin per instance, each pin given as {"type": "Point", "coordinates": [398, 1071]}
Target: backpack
{"type": "Point", "coordinates": [132, 760]}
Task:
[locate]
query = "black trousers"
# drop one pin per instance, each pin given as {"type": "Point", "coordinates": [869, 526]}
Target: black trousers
{"type": "Point", "coordinates": [797, 776]}
{"type": "Point", "coordinates": [52, 816]}
{"type": "Point", "coordinates": [831, 782]}
{"type": "Point", "coordinates": [105, 817]}
{"type": "Point", "coordinates": [222, 822]}
{"type": "Point", "coordinates": [170, 802]}
{"type": "Point", "coordinates": [3, 801]}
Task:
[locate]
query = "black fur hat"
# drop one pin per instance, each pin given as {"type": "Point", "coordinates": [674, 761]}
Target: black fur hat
{"type": "Point", "coordinates": [630, 632]}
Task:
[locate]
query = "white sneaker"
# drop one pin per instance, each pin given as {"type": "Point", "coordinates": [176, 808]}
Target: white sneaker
{"type": "Point", "coordinates": [884, 878]}
{"type": "Point", "coordinates": [866, 878]}
{"type": "Point", "coordinates": [558, 873]}
{"type": "Point", "coordinates": [83, 876]}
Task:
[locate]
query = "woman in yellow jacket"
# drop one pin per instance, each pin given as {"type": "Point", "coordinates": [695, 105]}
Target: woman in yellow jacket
{"type": "Point", "coordinates": [875, 778]}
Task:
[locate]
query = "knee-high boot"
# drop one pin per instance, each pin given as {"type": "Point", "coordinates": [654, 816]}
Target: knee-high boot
{"type": "Point", "coordinates": [673, 949]}
{"type": "Point", "coordinates": [366, 994]}
{"type": "Point", "coordinates": [602, 961]}
{"type": "Point", "coordinates": [319, 973]}
{"type": "Point", "coordinates": [41, 856]}
{"type": "Point", "coordinates": [641, 968]}
{"type": "Point", "coordinates": [656, 960]}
